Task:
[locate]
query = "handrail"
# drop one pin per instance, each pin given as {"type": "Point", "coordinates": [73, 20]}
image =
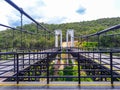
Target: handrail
{"type": "Point", "coordinates": [103, 31]}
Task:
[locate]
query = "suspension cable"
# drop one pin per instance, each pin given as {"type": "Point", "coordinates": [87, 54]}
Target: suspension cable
{"type": "Point", "coordinates": [23, 12]}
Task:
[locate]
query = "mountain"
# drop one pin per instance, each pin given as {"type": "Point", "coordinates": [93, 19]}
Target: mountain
{"type": "Point", "coordinates": [10, 38]}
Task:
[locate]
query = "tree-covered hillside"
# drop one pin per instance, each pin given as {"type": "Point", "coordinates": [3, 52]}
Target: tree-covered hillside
{"type": "Point", "coordinates": [16, 39]}
{"type": "Point", "coordinates": [86, 27]}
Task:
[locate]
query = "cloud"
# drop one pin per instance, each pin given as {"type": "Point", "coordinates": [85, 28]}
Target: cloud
{"type": "Point", "coordinates": [56, 20]}
{"type": "Point", "coordinates": [15, 23]}
{"type": "Point", "coordinates": [58, 11]}
{"type": "Point", "coordinates": [34, 8]}
{"type": "Point", "coordinates": [11, 17]}
{"type": "Point", "coordinates": [81, 10]}
{"type": "Point", "coordinates": [4, 12]}
{"type": "Point", "coordinates": [29, 3]}
{"type": "Point", "coordinates": [96, 9]}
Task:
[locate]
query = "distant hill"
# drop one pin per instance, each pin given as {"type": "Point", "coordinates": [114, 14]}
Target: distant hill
{"type": "Point", "coordinates": [80, 28]}
{"type": "Point", "coordinates": [86, 27]}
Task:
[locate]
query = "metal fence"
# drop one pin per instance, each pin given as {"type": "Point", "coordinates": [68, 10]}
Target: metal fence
{"type": "Point", "coordinates": [69, 65]}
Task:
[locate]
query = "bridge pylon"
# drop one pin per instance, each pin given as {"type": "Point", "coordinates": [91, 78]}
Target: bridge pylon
{"type": "Point", "coordinates": [71, 33]}
{"type": "Point", "coordinates": [57, 33]}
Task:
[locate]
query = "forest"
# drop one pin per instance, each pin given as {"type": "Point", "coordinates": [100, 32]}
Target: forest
{"type": "Point", "coordinates": [42, 39]}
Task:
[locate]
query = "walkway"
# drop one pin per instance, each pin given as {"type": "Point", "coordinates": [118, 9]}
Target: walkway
{"type": "Point", "coordinates": [102, 59]}
{"type": "Point", "coordinates": [9, 67]}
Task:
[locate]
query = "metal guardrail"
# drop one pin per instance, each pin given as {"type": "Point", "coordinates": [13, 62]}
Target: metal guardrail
{"type": "Point", "coordinates": [33, 66]}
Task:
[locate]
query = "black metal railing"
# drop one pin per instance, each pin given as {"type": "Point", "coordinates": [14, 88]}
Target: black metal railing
{"type": "Point", "coordinates": [52, 65]}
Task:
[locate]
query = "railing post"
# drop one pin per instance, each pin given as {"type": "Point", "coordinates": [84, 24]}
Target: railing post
{"type": "Point", "coordinates": [17, 76]}
{"type": "Point", "coordinates": [79, 81]}
{"type": "Point", "coordinates": [40, 55]}
{"type": "Point", "coordinates": [23, 59]}
{"type": "Point", "coordinates": [47, 61]}
{"type": "Point", "coordinates": [29, 57]}
{"type": "Point", "coordinates": [34, 56]}
{"type": "Point", "coordinates": [98, 41]}
{"type": "Point", "coordinates": [14, 64]}
{"type": "Point", "coordinates": [37, 54]}
{"type": "Point", "coordinates": [111, 67]}
{"type": "Point", "coordinates": [100, 59]}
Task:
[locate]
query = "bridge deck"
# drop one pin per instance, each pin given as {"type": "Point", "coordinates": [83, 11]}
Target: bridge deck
{"type": "Point", "coordinates": [7, 67]}
{"type": "Point", "coordinates": [103, 59]}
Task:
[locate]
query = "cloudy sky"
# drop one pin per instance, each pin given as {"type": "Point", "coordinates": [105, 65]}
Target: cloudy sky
{"type": "Point", "coordinates": [59, 11]}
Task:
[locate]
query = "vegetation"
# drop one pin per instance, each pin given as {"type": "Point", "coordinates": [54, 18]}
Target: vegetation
{"type": "Point", "coordinates": [89, 44]}
{"type": "Point", "coordinates": [12, 38]}
{"type": "Point", "coordinates": [71, 70]}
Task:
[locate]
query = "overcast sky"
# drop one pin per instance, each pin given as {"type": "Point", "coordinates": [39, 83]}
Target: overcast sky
{"type": "Point", "coordinates": [59, 11]}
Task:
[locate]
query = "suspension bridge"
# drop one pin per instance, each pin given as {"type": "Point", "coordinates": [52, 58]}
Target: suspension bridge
{"type": "Point", "coordinates": [27, 67]}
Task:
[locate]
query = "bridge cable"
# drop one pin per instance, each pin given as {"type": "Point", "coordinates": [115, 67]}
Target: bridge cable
{"type": "Point", "coordinates": [23, 12]}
